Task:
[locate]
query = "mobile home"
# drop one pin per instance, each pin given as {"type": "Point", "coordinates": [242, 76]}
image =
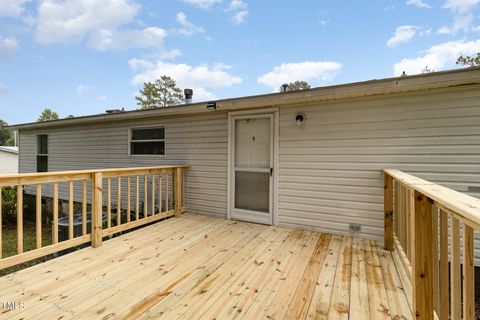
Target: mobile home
{"type": "Point", "coordinates": [310, 159]}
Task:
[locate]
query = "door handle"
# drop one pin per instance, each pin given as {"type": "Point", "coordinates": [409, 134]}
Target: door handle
{"type": "Point", "coordinates": [271, 172]}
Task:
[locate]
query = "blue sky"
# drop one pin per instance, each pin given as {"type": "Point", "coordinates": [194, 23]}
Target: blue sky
{"type": "Point", "coordinates": [85, 56]}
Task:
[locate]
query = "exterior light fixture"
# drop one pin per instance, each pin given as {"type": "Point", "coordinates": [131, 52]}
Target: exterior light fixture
{"type": "Point", "coordinates": [300, 119]}
{"type": "Point", "coordinates": [212, 105]}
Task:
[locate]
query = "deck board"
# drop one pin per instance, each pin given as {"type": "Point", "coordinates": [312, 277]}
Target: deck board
{"type": "Point", "coordinates": [199, 267]}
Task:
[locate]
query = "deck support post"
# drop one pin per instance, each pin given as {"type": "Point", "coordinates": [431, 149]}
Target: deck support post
{"type": "Point", "coordinates": [97, 210]}
{"type": "Point", "coordinates": [422, 264]}
{"type": "Point", "coordinates": [177, 187]}
{"type": "Point", "coordinates": [388, 209]}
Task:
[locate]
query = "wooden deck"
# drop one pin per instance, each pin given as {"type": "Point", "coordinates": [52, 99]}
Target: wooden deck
{"type": "Point", "coordinates": [198, 267]}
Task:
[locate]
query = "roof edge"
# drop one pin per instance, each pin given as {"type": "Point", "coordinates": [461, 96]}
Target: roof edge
{"type": "Point", "coordinates": [420, 82]}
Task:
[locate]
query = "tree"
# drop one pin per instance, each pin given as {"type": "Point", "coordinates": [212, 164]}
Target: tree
{"type": "Point", "coordinates": [427, 70]}
{"type": "Point", "coordinates": [469, 61]}
{"type": "Point", "coordinates": [148, 97]}
{"type": "Point", "coordinates": [47, 115]}
{"type": "Point", "coordinates": [6, 135]}
{"type": "Point", "coordinates": [163, 92]}
{"type": "Point", "coordinates": [297, 85]}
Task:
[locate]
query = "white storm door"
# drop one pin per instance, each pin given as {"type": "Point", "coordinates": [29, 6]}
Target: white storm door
{"type": "Point", "coordinates": [252, 168]}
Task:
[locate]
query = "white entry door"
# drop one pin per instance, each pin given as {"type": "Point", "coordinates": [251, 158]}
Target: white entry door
{"type": "Point", "coordinates": [252, 168]}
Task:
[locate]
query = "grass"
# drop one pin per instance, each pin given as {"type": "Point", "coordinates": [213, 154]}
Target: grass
{"type": "Point", "coordinates": [9, 245]}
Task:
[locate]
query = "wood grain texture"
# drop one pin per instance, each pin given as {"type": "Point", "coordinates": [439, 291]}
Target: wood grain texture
{"type": "Point", "coordinates": [38, 217]}
{"type": "Point", "coordinates": [444, 275]}
{"type": "Point", "coordinates": [19, 219]}
{"type": "Point", "coordinates": [388, 211]}
{"type": "Point", "coordinates": [422, 272]}
{"type": "Point", "coordinates": [97, 211]}
{"type": "Point", "coordinates": [455, 274]}
{"type": "Point", "coordinates": [208, 268]}
{"type": "Point", "coordinates": [468, 270]}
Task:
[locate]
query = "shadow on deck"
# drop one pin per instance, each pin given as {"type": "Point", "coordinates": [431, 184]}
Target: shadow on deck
{"type": "Point", "coordinates": [199, 267]}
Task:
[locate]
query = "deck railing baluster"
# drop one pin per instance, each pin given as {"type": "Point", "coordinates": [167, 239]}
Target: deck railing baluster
{"type": "Point", "coordinates": [119, 201]}
{"type": "Point", "coordinates": [20, 219]}
{"type": "Point", "coordinates": [38, 217]}
{"type": "Point", "coordinates": [84, 207]}
{"type": "Point", "coordinates": [65, 191]}
{"type": "Point", "coordinates": [128, 199]}
{"type": "Point", "coordinates": [1, 225]}
{"type": "Point", "coordinates": [442, 279]}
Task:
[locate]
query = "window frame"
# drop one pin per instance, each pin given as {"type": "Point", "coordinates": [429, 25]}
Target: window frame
{"type": "Point", "coordinates": [38, 154]}
{"type": "Point", "coordinates": [153, 126]}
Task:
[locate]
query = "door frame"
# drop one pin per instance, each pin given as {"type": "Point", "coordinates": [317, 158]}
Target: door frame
{"type": "Point", "coordinates": [274, 112]}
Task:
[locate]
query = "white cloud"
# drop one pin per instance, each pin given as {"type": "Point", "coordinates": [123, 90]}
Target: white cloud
{"type": "Point", "coordinates": [188, 29]}
{"type": "Point", "coordinates": [204, 4]}
{"type": "Point", "coordinates": [199, 78]}
{"type": "Point", "coordinates": [437, 57]}
{"type": "Point", "coordinates": [3, 89]}
{"type": "Point", "coordinates": [98, 22]}
{"type": "Point", "coordinates": [461, 6]}
{"type": "Point", "coordinates": [72, 20]}
{"type": "Point", "coordinates": [102, 98]}
{"type": "Point", "coordinates": [306, 71]}
{"type": "Point", "coordinates": [462, 22]}
{"type": "Point", "coordinates": [464, 18]}
{"type": "Point", "coordinates": [239, 17]}
{"type": "Point", "coordinates": [239, 10]}
{"type": "Point", "coordinates": [119, 40]}
{"type": "Point", "coordinates": [418, 4]}
{"type": "Point", "coordinates": [323, 23]}
{"type": "Point", "coordinates": [12, 8]}
{"type": "Point", "coordinates": [169, 54]}
{"type": "Point", "coordinates": [8, 47]}
{"type": "Point", "coordinates": [81, 88]}
{"type": "Point", "coordinates": [403, 34]}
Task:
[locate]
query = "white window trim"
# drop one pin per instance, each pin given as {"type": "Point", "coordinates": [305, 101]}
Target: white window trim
{"type": "Point", "coordinates": [41, 154]}
{"type": "Point", "coordinates": [153, 126]}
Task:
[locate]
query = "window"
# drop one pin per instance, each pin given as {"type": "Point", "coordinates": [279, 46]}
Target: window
{"type": "Point", "coordinates": [42, 153]}
{"type": "Point", "coordinates": [147, 141]}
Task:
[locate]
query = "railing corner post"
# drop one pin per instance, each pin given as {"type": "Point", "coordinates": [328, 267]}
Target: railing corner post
{"type": "Point", "coordinates": [388, 210]}
{"type": "Point", "coordinates": [97, 210]}
{"type": "Point", "coordinates": [422, 266]}
{"type": "Point", "coordinates": [178, 191]}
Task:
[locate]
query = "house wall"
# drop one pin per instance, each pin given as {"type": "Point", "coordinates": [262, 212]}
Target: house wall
{"type": "Point", "coordinates": [8, 163]}
{"type": "Point", "coordinates": [330, 169]}
{"type": "Point", "coordinates": [200, 141]}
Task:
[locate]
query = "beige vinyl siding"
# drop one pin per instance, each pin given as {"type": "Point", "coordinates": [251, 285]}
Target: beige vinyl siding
{"type": "Point", "coordinates": [200, 141]}
{"type": "Point", "coordinates": [330, 169]}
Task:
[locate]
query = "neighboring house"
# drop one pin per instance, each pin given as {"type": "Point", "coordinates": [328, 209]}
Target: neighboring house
{"type": "Point", "coordinates": [8, 160]}
{"type": "Point", "coordinates": [311, 159]}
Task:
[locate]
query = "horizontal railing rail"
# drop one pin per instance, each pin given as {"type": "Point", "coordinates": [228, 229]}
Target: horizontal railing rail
{"type": "Point", "coordinates": [105, 202]}
{"type": "Point", "coordinates": [431, 229]}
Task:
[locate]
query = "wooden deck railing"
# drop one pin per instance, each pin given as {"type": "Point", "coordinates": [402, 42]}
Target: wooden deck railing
{"type": "Point", "coordinates": [425, 224]}
{"type": "Point", "coordinates": [142, 195]}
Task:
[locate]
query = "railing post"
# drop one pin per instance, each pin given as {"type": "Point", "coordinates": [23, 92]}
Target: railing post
{"type": "Point", "coordinates": [388, 209]}
{"type": "Point", "coordinates": [97, 210]}
{"type": "Point", "coordinates": [422, 267]}
{"type": "Point", "coordinates": [178, 191]}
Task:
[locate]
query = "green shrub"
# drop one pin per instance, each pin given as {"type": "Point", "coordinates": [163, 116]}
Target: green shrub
{"type": "Point", "coordinates": [9, 204]}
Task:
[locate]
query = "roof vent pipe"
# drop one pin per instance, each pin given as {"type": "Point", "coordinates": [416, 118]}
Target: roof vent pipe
{"type": "Point", "coordinates": [284, 87]}
{"type": "Point", "coordinates": [188, 95]}
{"type": "Point", "coordinates": [110, 111]}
